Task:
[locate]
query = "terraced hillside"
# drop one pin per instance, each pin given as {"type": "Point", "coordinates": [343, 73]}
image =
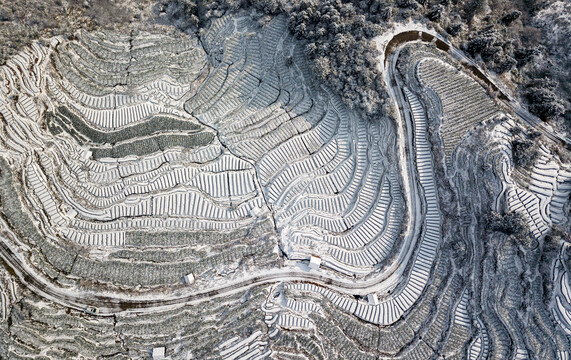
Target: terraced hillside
{"type": "Point", "coordinates": [464, 102]}
{"type": "Point", "coordinates": [121, 146]}
{"type": "Point", "coordinates": [203, 196]}
{"type": "Point", "coordinates": [136, 175]}
{"type": "Point", "coordinates": [115, 164]}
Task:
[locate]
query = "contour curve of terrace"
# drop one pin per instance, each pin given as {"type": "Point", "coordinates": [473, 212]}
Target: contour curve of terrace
{"type": "Point", "coordinates": [228, 167]}
{"type": "Point", "coordinates": [127, 175]}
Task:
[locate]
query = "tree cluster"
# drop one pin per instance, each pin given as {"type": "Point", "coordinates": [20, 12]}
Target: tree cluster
{"type": "Point", "coordinates": [543, 100]}
{"type": "Point", "coordinates": [489, 46]}
{"type": "Point", "coordinates": [525, 149]}
{"type": "Point", "coordinates": [337, 36]}
{"type": "Point", "coordinates": [510, 40]}
{"type": "Point", "coordinates": [511, 223]}
{"type": "Point", "coordinates": [182, 14]}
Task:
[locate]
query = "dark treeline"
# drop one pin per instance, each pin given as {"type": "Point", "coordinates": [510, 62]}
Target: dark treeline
{"type": "Point", "coordinates": [501, 35]}
{"type": "Point", "coordinates": [335, 34]}
{"type": "Point", "coordinates": [509, 37]}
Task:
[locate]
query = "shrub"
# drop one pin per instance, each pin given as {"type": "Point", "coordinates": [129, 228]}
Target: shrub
{"type": "Point", "coordinates": [544, 102]}
{"type": "Point", "coordinates": [511, 223]}
{"type": "Point", "coordinates": [509, 18]}
{"type": "Point", "coordinates": [454, 29]}
{"type": "Point", "coordinates": [435, 13]}
{"type": "Point", "coordinates": [505, 64]}
{"type": "Point", "coordinates": [524, 153]}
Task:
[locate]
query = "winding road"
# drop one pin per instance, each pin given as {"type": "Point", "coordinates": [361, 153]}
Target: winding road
{"type": "Point", "coordinates": [109, 305]}
{"type": "Point", "coordinates": [470, 66]}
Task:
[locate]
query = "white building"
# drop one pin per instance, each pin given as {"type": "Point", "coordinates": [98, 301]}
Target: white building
{"type": "Point", "coordinates": [314, 262]}
{"type": "Point", "coordinates": [189, 279]}
{"type": "Point", "coordinates": [158, 353]}
{"type": "Point", "coordinates": [373, 299]}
